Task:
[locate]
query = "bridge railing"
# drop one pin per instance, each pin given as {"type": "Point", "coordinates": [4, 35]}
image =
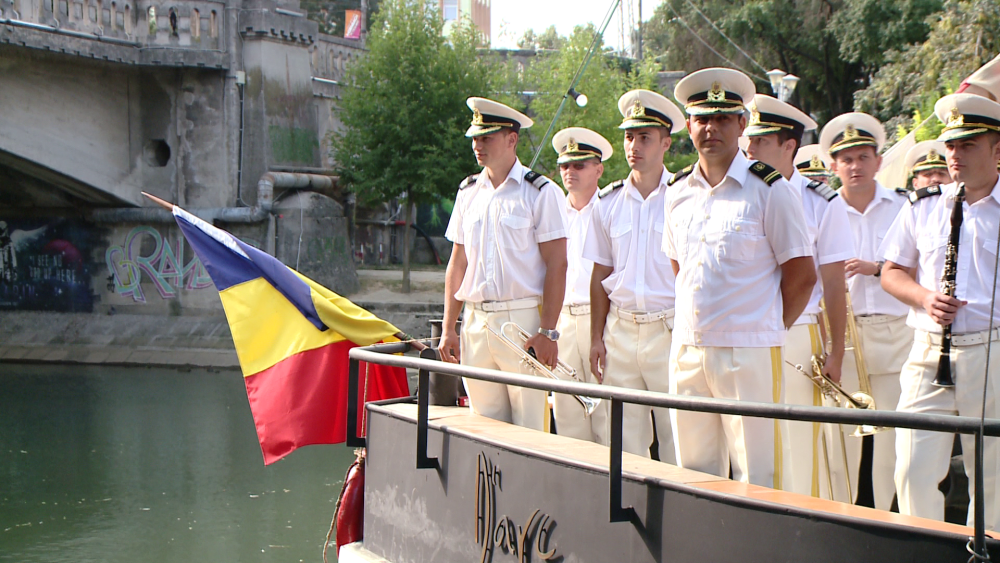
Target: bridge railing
{"type": "Point", "coordinates": [388, 355]}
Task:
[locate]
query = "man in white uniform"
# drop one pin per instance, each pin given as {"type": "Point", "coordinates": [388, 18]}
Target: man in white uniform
{"type": "Point", "coordinates": [632, 286]}
{"type": "Point", "coordinates": [741, 250]}
{"type": "Point", "coordinates": [926, 164]}
{"type": "Point", "coordinates": [919, 240]}
{"type": "Point", "coordinates": [581, 153]}
{"type": "Point", "coordinates": [775, 131]}
{"type": "Point", "coordinates": [508, 263]}
{"type": "Point", "coordinates": [854, 141]}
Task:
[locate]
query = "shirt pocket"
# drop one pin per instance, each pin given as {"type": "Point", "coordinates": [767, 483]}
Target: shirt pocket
{"type": "Point", "coordinates": [472, 231]}
{"type": "Point", "coordinates": [740, 239]}
{"type": "Point", "coordinates": [621, 239]}
{"type": "Point", "coordinates": [515, 232]}
{"type": "Point", "coordinates": [655, 245]}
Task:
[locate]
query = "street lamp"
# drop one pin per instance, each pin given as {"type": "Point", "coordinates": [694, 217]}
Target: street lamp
{"type": "Point", "coordinates": [782, 84]}
{"type": "Point", "coordinates": [581, 99]}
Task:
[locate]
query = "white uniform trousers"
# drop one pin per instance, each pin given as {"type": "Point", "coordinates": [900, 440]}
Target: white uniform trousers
{"type": "Point", "coordinates": [637, 358]}
{"type": "Point", "coordinates": [885, 342]}
{"type": "Point", "coordinates": [574, 350]}
{"type": "Point", "coordinates": [524, 407]}
{"type": "Point", "coordinates": [711, 443]}
{"type": "Point", "coordinates": [804, 449]}
{"type": "Point", "coordinates": [923, 457]}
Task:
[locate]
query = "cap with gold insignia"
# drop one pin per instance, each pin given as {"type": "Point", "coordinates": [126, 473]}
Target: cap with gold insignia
{"type": "Point", "coordinates": [489, 117]}
{"type": "Point", "coordinates": [574, 144]}
{"type": "Point", "coordinates": [853, 129]}
{"type": "Point", "coordinates": [769, 115]}
{"type": "Point", "coordinates": [966, 115]}
{"type": "Point", "coordinates": [645, 108]}
{"type": "Point", "coordinates": [811, 162]}
{"type": "Point", "coordinates": [925, 155]}
{"type": "Point", "coordinates": [714, 90]}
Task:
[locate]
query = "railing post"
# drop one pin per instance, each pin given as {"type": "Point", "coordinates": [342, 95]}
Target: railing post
{"type": "Point", "coordinates": [353, 439]}
{"type": "Point", "coordinates": [423, 394]}
{"type": "Point", "coordinates": [617, 513]}
{"type": "Point", "coordinates": [979, 541]}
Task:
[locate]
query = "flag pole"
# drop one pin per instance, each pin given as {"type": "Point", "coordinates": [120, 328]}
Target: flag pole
{"type": "Point", "coordinates": [164, 204]}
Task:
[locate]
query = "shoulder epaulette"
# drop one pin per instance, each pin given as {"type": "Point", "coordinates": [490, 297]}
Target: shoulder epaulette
{"type": "Point", "coordinates": [468, 181]}
{"type": "Point", "coordinates": [610, 188]}
{"type": "Point", "coordinates": [536, 179]}
{"type": "Point", "coordinates": [765, 172]}
{"type": "Point", "coordinates": [917, 195]}
{"type": "Point", "coordinates": [822, 189]}
{"type": "Point", "coordinates": [903, 192]}
{"type": "Point", "coordinates": [680, 175]}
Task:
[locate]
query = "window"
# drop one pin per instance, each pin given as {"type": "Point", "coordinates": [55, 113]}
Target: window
{"type": "Point", "coordinates": [195, 24]}
{"type": "Point", "coordinates": [450, 10]}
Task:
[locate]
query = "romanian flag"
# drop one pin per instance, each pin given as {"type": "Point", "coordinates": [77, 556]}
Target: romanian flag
{"type": "Point", "coordinates": [292, 336]}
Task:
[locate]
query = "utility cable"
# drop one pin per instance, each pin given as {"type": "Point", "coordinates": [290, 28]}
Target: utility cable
{"type": "Point", "coordinates": [710, 48]}
{"type": "Point", "coordinates": [731, 42]}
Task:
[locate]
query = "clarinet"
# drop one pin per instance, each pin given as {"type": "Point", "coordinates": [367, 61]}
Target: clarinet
{"type": "Point", "coordinates": [943, 377]}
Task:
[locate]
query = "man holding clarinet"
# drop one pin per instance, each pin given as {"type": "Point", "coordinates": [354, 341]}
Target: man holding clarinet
{"type": "Point", "coordinates": [941, 260]}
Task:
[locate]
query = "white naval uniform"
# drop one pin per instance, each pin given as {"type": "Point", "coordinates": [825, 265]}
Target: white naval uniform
{"type": "Point", "coordinates": [574, 332]}
{"type": "Point", "coordinates": [729, 241]}
{"type": "Point", "coordinates": [885, 342]}
{"type": "Point", "coordinates": [919, 238]}
{"type": "Point", "coordinates": [804, 450]}
{"type": "Point", "coordinates": [501, 228]}
{"type": "Point", "coordinates": [626, 233]}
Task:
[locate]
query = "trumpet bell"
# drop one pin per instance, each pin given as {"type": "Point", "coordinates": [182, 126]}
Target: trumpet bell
{"type": "Point", "coordinates": [868, 403]}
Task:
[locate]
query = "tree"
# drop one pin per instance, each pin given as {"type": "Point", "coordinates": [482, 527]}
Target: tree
{"type": "Point", "coordinates": [605, 79]}
{"type": "Point", "coordinates": [548, 39]}
{"type": "Point", "coordinates": [964, 36]}
{"type": "Point", "coordinates": [404, 112]}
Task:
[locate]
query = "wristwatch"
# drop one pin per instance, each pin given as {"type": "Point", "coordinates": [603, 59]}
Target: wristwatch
{"type": "Point", "coordinates": [552, 334]}
{"type": "Point", "coordinates": [879, 264]}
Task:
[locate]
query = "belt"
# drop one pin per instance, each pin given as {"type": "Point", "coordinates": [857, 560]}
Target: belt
{"type": "Point", "coordinates": [873, 319]}
{"type": "Point", "coordinates": [807, 319]}
{"type": "Point", "coordinates": [514, 305]}
{"type": "Point", "coordinates": [967, 339]}
{"type": "Point", "coordinates": [577, 310]}
{"type": "Point", "coordinates": [642, 317]}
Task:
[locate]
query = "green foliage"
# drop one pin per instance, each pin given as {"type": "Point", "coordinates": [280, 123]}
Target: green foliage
{"type": "Point", "coordinates": [403, 107]}
{"type": "Point", "coordinates": [833, 47]}
{"type": "Point", "coordinates": [548, 39]}
{"type": "Point", "coordinates": [606, 78]}
{"type": "Point", "coordinates": [963, 36]}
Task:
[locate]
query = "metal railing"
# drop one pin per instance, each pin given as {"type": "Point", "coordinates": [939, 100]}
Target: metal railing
{"type": "Point", "coordinates": [387, 354]}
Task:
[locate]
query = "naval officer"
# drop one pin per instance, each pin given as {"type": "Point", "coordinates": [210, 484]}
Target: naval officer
{"type": "Point", "coordinates": [632, 286]}
{"type": "Point", "coordinates": [926, 165]}
{"type": "Point", "coordinates": [581, 154]}
{"type": "Point", "coordinates": [775, 131]}
{"type": "Point", "coordinates": [740, 247]}
{"type": "Point", "coordinates": [919, 240]}
{"type": "Point", "coordinates": [854, 141]}
{"type": "Point", "coordinates": [508, 264]}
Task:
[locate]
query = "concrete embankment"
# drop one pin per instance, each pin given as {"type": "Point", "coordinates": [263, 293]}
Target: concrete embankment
{"type": "Point", "coordinates": [203, 341]}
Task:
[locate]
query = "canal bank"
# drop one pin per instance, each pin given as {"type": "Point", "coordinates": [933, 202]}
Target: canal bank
{"type": "Point", "coordinates": [193, 340]}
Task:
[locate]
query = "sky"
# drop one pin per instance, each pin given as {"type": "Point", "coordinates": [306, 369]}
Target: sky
{"type": "Point", "coordinates": [510, 18]}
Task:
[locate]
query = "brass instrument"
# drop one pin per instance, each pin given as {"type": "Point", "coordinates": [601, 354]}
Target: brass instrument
{"type": "Point", "coordinates": [529, 360]}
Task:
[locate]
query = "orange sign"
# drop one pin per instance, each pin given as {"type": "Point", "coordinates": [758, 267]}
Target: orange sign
{"type": "Point", "coordinates": [352, 24]}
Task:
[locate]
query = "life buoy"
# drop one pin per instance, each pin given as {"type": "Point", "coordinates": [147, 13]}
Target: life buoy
{"type": "Point", "coordinates": [349, 516]}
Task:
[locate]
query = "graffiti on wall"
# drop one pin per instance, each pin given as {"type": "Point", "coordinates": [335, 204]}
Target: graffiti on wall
{"type": "Point", "coordinates": [146, 256]}
{"type": "Point", "coordinates": [45, 265]}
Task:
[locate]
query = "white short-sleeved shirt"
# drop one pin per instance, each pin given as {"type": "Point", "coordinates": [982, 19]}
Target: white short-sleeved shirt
{"type": "Point", "coordinates": [869, 230]}
{"type": "Point", "coordinates": [919, 237]}
{"type": "Point", "coordinates": [579, 269]}
{"type": "Point", "coordinates": [829, 231]}
{"type": "Point", "coordinates": [626, 233]}
{"type": "Point", "coordinates": [501, 228]}
{"type": "Point", "coordinates": [730, 241]}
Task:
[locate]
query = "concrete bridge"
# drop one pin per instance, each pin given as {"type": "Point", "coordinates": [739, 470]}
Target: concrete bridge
{"type": "Point", "coordinates": [222, 107]}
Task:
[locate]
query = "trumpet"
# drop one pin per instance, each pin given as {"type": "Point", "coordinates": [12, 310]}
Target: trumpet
{"type": "Point", "coordinates": [529, 360]}
{"type": "Point", "coordinates": [831, 389]}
